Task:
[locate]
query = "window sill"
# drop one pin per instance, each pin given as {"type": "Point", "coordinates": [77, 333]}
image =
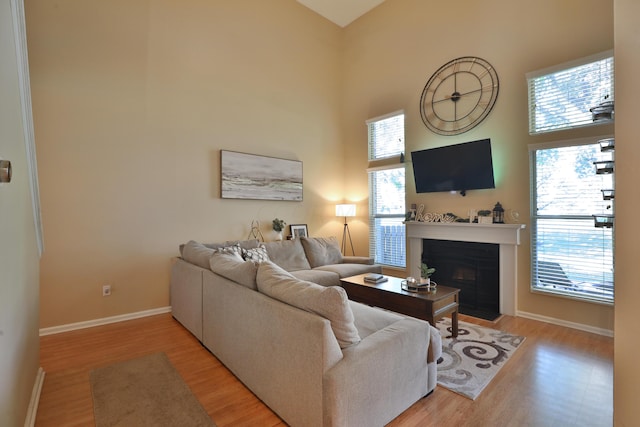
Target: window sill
{"type": "Point", "coordinates": [579, 298]}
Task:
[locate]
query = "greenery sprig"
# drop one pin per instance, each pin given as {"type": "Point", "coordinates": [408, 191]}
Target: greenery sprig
{"type": "Point", "coordinates": [278, 225]}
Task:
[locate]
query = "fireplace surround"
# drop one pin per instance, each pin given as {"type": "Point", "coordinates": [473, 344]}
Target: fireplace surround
{"type": "Point", "coordinates": [507, 236]}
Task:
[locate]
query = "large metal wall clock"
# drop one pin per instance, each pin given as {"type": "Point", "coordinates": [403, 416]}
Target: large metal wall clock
{"type": "Point", "coordinates": [459, 95]}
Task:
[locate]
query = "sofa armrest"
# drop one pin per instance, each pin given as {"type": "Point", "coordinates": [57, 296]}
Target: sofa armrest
{"type": "Point", "coordinates": [380, 377]}
{"type": "Point", "coordinates": [357, 260]}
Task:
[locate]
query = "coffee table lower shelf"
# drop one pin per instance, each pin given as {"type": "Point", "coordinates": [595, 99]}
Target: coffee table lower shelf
{"type": "Point", "coordinates": [430, 306]}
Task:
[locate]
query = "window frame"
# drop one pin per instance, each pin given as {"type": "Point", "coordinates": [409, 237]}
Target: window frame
{"type": "Point", "coordinates": [393, 161]}
{"type": "Point", "coordinates": [534, 259]}
{"type": "Point", "coordinates": [556, 70]}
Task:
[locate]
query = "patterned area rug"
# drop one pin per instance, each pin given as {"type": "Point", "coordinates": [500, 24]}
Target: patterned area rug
{"type": "Point", "coordinates": [470, 361]}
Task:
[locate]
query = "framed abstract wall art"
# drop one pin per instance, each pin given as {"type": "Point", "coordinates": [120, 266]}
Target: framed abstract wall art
{"type": "Point", "coordinates": [250, 176]}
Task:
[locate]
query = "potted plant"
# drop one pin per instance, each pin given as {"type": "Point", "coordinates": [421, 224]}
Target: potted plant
{"type": "Point", "coordinates": [425, 273]}
{"type": "Point", "coordinates": [278, 226]}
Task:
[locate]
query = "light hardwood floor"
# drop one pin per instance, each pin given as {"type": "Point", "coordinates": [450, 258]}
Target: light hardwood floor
{"type": "Point", "coordinates": [558, 377]}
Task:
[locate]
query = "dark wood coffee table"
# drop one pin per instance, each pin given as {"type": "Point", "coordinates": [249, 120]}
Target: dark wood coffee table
{"type": "Point", "coordinates": [430, 306]}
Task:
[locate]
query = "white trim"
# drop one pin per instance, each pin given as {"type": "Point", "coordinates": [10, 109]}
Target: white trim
{"type": "Point", "coordinates": [565, 323]}
{"type": "Point", "coordinates": [570, 64]}
{"type": "Point", "coordinates": [384, 116]}
{"type": "Point", "coordinates": [103, 321]}
{"type": "Point", "coordinates": [567, 142]}
{"type": "Point", "coordinates": [20, 37]}
{"type": "Point", "coordinates": [32, 410]}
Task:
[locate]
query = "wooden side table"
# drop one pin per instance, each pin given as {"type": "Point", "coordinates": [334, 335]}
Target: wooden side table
{"type": "Point", "coordinates": [430, 306]}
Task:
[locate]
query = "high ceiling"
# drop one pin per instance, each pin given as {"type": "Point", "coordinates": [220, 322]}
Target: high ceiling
{"type": "Point", "coordinates": [341, 12]}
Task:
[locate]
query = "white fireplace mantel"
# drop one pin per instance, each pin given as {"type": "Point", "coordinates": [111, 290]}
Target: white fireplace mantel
{"type": "Point", "coordinates": [505, 235]}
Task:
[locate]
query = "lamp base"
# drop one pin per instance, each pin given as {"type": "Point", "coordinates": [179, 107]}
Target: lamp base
{"type": "Point", "coordinates": [345, 233]}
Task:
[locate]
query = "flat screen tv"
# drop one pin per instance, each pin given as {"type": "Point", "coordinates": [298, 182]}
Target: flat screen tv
{"type": "Point", "coordinates": [458, 167]}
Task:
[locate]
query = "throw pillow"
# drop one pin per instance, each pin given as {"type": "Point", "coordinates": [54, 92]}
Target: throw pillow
{"type": "Point", "coordinates": [258, 254]}
{"type": "Point", "coordinates": [233, 250]}
{"type": "Point", "coordinates": [322, 251]}
{"type": "Point", "coordinates": [197, 253]}
{"type": "Point", "coordinates": [330, 302]}
{"type": "Point", "coordinates": [288, 254]}
{"type": "Point", "coordinates": [228, 265]}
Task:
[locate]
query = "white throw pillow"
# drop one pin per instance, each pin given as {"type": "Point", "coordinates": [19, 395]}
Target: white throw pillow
{"type": "Point", "coordinates": [235, 250]}
{"type": "Point", "coordinates": [258, 254]}
{"type": "Point", "coordinates": [329, 302]}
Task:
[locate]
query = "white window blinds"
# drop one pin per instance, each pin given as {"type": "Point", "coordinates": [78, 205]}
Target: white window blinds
{"type": "Point", "coordinates": [387, 190]}
{"type": "Point", "coordinates": [386, 136]}
{"type": "Point", "coordinates": [570, 255]}
{"type": "Point", "coordinates": [562, 97]}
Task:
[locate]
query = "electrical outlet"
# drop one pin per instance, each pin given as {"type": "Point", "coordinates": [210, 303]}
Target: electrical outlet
{"type": "Point", "coordinates": [106, 290]}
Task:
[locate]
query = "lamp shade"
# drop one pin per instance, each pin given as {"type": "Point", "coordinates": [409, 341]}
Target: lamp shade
{"type": "Point", "coordinates": [346, 210]}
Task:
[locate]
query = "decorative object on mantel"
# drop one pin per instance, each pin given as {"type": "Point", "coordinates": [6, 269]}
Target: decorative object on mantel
{"type": "Point", "coordinates": [422, 216]}
{"type": "Point", "coordinates": [346, 210]}
{"type": "Point", "coordinates": [498, 214]}
{"type": "Point", "coordinates": [484, 217]}
{"type": "Point", "coordinates": [255, 233]}
{"type": "Point", "coordinates": [278, 226]}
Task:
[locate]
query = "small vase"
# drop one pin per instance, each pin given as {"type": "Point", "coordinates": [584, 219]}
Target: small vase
{"type": "Point", "coordinates": [278, 235]}
{"type": "Point", "coordinates": [426, 281]}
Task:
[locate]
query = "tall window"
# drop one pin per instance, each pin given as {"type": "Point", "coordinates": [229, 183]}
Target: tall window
{"type": "Point", "coordinates": [571, 220]}
{"type": "Point", "coordinates": [566, 96]}
{"type": "Point", "coordinates": [387, 243]}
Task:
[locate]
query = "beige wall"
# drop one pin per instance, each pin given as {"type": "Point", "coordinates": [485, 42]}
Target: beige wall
{"type": "Point", "coordinates": [133, 101]}
{"type": "Point", "coordinates": [19, 342]}
{"type": "Point", "coordinates": [390, 54]}
{"type": "Point", "coordinates": [627, 347]}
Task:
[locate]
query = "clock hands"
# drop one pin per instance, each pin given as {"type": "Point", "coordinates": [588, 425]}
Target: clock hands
{"type": "Point", "coordinates": [455, 96]}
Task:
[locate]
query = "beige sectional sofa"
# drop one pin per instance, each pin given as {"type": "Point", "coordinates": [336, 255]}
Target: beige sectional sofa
{"type": "Point", "coordinates": [314, 357]}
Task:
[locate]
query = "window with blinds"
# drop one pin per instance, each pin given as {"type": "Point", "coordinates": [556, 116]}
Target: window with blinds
{"type": "Point", "coordinates": [387, 242]}
{"type": "Point", "coordinates": [571, 95]}
{"type": "Point", "coordinates": [570, 255]}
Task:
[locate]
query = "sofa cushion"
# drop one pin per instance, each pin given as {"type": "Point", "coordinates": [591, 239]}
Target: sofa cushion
{"type": "Point", "coordinates": [244, 244]}
{"type": "Point", "coordinates": [371, 319]}
{"type": "Point", "coordinates": [228, 265]}
{"type": "Point", "coordinates": [346, 270]}
{"type": "Point", "coordinates": [258, 254]}
{"type": "Point", "coordinates": [321, 250]}
{"type": "Point", "coordinates": [288, 254]}
{"type": "Point", "coordinates": [329, 302]}
{"type": "Point", "coordinates": [196, 253]}
{"type": "Point", "coordinates": [324, 278]}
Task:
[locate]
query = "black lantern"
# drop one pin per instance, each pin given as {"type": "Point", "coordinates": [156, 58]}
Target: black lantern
{"type": "Point", "coordinates": [498, 214]}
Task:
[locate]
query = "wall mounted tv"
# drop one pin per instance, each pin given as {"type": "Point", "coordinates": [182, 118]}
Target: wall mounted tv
{"type": "Point", "coordinates": [458, 167]}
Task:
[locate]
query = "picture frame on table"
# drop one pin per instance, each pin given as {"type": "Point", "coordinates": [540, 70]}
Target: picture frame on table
{"type": "Point", "coordinates": [299, 230]}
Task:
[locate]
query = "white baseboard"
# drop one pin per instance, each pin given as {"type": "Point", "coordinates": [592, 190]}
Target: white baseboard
{"type": "Point", "coordinates": [32, 411]}
{"type": "Point", "coordinates": [560, 322]}
{"type": "Point", "coordinates": [104, 321]}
